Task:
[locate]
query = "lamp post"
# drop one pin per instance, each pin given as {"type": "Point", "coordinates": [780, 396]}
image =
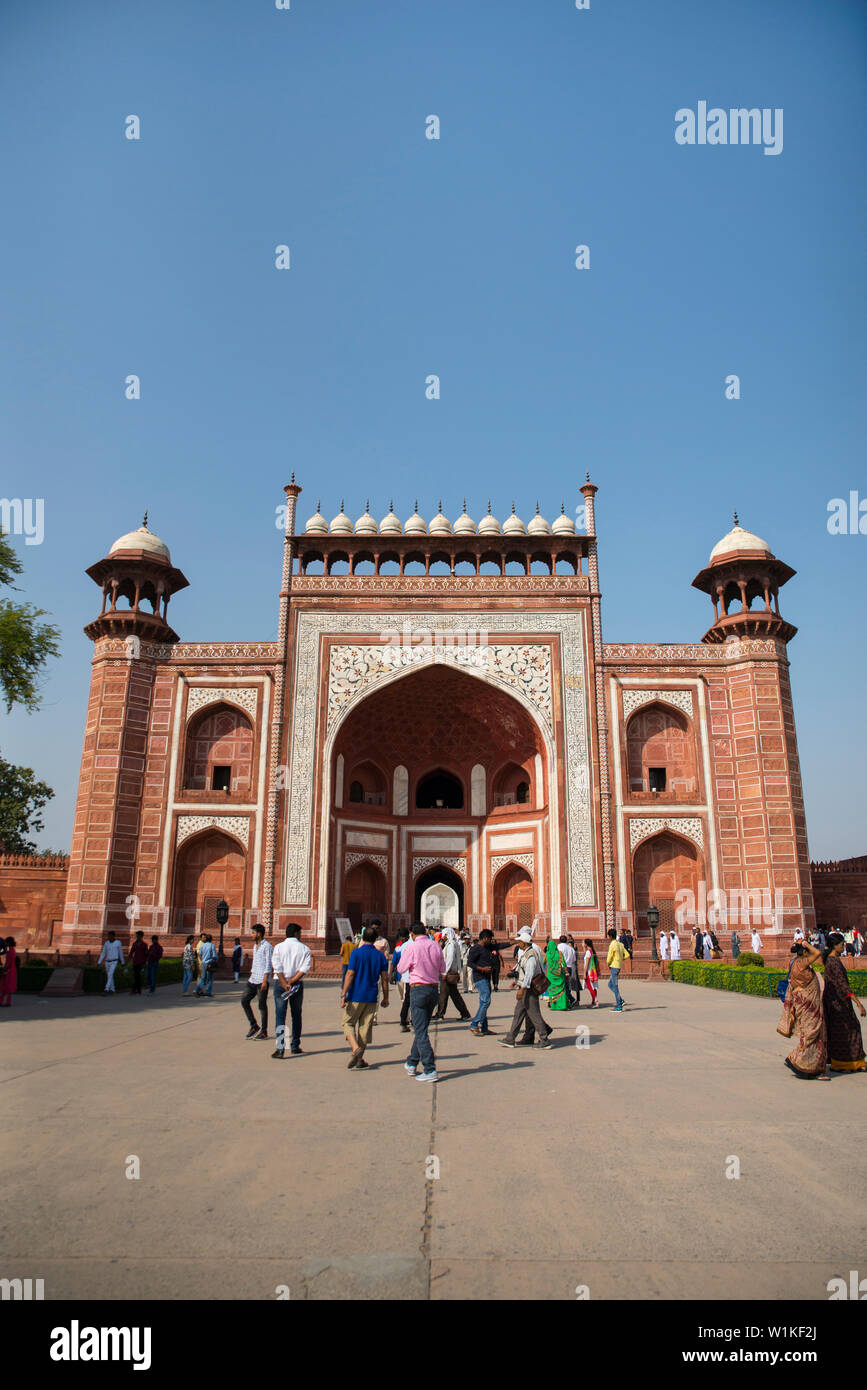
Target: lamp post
{"type": "Point", "coordinates": [222, 918]}
{"type": "Point", "coordinates": [653, 923]}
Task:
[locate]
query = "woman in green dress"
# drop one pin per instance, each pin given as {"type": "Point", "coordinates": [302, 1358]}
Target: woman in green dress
{"type": "Point", "coordinates": [555, 969]}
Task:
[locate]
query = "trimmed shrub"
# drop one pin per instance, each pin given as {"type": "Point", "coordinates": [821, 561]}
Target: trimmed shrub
{"type": "Point", "coordinates": [762, 981]}
{"type": "Point", "coordinates": [32, 978]}
{"type": "Point", "coordinates": [748, 958]}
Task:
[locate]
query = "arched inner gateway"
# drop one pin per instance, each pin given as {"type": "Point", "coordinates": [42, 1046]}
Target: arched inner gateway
{"type": "Point", "coordinates": [465, 770]}
{"type": "Point", "coordinates": [662, 867]}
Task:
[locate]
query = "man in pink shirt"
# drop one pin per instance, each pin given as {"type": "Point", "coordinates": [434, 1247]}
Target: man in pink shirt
{"type": "Point", "coordinates": [425, 963]}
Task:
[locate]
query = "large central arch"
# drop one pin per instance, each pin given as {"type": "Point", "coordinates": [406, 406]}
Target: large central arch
{"type": "Point", "coordinates": [502, 716]}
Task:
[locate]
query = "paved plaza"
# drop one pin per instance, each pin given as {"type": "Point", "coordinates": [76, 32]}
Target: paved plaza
{"type": "Point", "coordinates": [601, 1165]}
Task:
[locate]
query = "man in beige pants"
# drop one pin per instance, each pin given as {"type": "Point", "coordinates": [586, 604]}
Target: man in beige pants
{"type": "Point", "coordinates": [368, 968]}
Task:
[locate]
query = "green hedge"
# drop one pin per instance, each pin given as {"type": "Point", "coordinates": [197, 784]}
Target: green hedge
{"type": "Point", "coordinates": [32, 979]}
{"type": "Point", "coordinates": [719, 974]}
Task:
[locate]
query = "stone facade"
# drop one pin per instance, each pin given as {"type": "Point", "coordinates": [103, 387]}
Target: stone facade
{"type": "Point", "coordinates": [439, 710]}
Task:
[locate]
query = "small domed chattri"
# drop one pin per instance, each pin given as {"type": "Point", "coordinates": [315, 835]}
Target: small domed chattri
{"type": "Point", "coordinates": [390, 525]}
{"type": "Point", "coordinates": [738, 539]}
{"type": "Point", "coordinates": [317, 525]}
{"type": "Point", "coordinates": [465, 526]}
{"type": "Point", "coordinates": [416, 525]}
{"type": "Point", "coordinates": [142, 539]}
{"type": "Point", "coordinates": [564, 525]}
{"type": "Point", "coordinates": [440, 526]}
{"type": "Point", "coordinates": [513, 525]}
{"type": "Point", "coordinates": [366, 524]}
{"type": "Point", "coordinates": [489, 525]}
{"type": "Point", "coordinates": [341, 525]}
{"type": "Point", "coordinates": [538, 525]}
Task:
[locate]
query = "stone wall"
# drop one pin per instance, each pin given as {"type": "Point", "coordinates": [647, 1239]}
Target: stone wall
{"type": "Point", "coordinates": [32, 892]}
{"type": "Point", "coordinates": [840, 891]}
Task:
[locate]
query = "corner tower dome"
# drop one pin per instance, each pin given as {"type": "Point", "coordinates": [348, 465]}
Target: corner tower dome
{"type": "Point", "coordinates": [738, 540]}
{"type": "Point", "coordinates": [142, 539]}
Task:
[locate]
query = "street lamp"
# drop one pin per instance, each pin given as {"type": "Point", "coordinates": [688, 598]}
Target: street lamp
{"type": "Point", "coordinates": [653, 923]}
{"type": "Point", "coordinates": [222, 918]}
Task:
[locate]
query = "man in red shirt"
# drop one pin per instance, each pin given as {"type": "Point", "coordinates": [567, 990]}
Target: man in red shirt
{"type": "Point", "coordinates": [138, 954]}
{"type": "Point", "coordinates": [155, 952]}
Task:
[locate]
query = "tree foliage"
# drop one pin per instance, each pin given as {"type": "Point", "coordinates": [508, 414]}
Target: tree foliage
{"type": "Point", "coordinates": [25, 642]}
{"type": "Point", "coordinates": [22, 799]}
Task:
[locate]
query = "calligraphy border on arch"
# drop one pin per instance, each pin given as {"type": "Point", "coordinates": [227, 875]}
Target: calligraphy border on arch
{"type": "Point", "coordinates": [306, 682]}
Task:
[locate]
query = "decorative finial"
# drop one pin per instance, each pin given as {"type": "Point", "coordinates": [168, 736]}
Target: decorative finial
{"type": "Point", "coordinates": [145, 520]}
{"type": "Point", "coordinates": [562, 508]}
{"type": "Point", "coordinates": [587, 475]}
{"type": "Point", "coordinates": [319, 504]}
{"type": "Point", "coordinates": [391, 504]}
{"type": "Point", "coordinates": [490, 513]}
{"type": "Point", "coordinates": [465, 505]}
{"type": "Point", "coordinates": [440, 506]}
{"type": "Point", "coordinates": [537, 506]}
{"type": "Point", "coordinates": [737, 523]}
{"type": "Point", "coordinates": [513, 509]}
{"type": "Point", "coordinates": [341, 504]}
{"type": "Point", "coordinates": [292, 479]}
{"type": "Point", "coordinates": [367, 504]}
{"type": "Point", "coordinates": [416, 504]}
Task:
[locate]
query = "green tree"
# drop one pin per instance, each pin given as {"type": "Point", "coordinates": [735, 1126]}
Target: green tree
{"type": "Point", "coordinates": [25, 643]}
{"type": "Point", "coordinates": [21, 801]}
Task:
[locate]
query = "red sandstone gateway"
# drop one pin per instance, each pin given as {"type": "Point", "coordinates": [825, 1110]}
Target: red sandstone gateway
{"type": "Point", "coordinates": [550, 779]}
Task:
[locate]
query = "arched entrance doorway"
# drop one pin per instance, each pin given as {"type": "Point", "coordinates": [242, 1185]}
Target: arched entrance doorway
{"type": "Point", "coordinates": [364, 894]}
{"type": "Point", "coordinates": [662, 867]}
{"type": "Point", "coordinates": [513, 898]}
{"type": "Point", "coordinates": [209, 867]}
{"type": "Point", "coordinates": [439, 898]}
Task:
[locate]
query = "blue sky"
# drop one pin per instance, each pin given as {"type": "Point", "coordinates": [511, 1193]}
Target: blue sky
{"type": "Point", "coordinates": [456, 257]}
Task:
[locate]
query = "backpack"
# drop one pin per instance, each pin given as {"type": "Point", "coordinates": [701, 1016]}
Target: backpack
{"type": "Point", "coordinates": [539, 982]}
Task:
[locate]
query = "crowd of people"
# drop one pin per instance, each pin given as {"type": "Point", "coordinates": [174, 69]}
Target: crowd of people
{"type": "Point", "coordinates": [431, 968]}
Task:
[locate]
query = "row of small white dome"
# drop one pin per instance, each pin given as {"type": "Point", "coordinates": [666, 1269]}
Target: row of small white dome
{"type": "Point", "coordinates": [391, 524]}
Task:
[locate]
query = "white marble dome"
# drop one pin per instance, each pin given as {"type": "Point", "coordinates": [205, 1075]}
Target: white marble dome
{"type": "Point", "coordinates": [341, 525]}
{"type": "Point", "coordinates": [564, 525]}
{"type": "Point", "coordinates": [390, 524]}
{"type": "Point", "coordinates": [440, 526]}
{"type": "Point", "coordinates": [142, 539]}
{"type": "Point", "coordinates": [366, 524]}
{"type": "Point", "coordinates": [465, 526]}
{"type": "Point", "coordinates": [489, 525]}
{"type": "Point", "coordinates": [513, 525]}
{"type": "Point", "coordinates": [416, 525]}
{"type": "Point", "coordinates": [738, 539]}
{"type": "Point", "coordinates": [538, 525]}
{"type": "Point", "coordinates": [317, 525]}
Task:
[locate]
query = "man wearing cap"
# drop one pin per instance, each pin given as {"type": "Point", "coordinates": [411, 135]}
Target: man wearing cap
{"type": "Point", "coordinates": [527, 1011]}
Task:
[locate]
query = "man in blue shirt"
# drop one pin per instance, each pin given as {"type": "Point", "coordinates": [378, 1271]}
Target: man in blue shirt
{"type": "Point", "coordinates": [209, 960]}
{"type": "Point", "coordinates": [367, 967]}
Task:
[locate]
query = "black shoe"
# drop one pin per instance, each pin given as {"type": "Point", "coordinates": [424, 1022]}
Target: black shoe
{"type": "Point", "coordinates": [261, 1036]}
{"type": "Point", "coordinates": [254, 1031]}
{"type": "Point", "coordinates": [279, 1054]}
{"type": "Point", "coordinates": [297, 1051]}
{"type": "Point", "coordinates": [353, 1061]}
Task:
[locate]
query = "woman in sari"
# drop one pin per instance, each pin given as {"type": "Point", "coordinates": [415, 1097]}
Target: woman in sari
{"type": "Point", "coordinates": [804, 1000]}
{"type": "Point", "coordinates": [591, 971]}
{"type": "Point", "coordinates": [9, 978]}
{"type": "Point", "coordinates": [844, 1031]}
{"type": "Point", "coordinates": [555, 969]}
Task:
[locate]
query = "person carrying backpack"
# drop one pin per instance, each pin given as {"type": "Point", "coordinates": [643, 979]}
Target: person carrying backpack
{"type": "Point", "coordinates": [532, 980]}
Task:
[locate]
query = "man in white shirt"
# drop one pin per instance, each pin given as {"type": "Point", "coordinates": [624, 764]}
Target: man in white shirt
{"type": "Point", "coordinates": [257, 985]}
{"type": "Point", "coordinates": [290, 962]}
{"type": "Point", "coordinates": [111, 956]}
{"type": "Point", "coordinates": [756, 941]}
{"type": "Point", "coordinates": [531, 964]}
